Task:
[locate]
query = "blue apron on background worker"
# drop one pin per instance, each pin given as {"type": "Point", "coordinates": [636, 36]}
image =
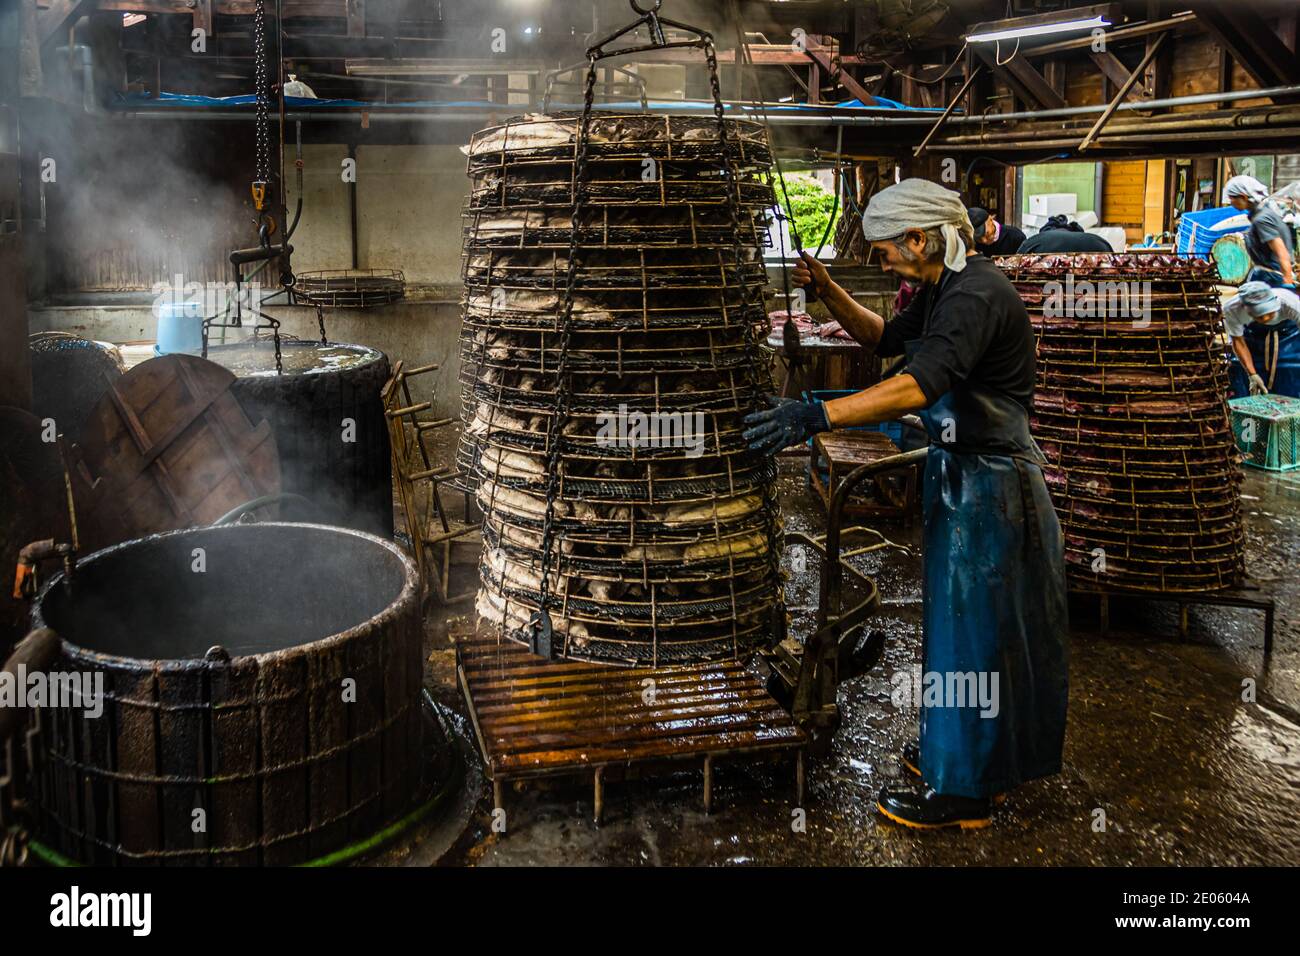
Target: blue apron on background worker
{"type": "Point", "coordinates": [995, 617]}
{"type": "Point", "coordinates": [1262, 325]}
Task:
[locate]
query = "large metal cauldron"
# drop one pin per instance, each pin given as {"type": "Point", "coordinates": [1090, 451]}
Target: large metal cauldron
{"type": "Point", "coordinates": [268, 675]}
{"type": "Point", "coordinates": [328, 418]}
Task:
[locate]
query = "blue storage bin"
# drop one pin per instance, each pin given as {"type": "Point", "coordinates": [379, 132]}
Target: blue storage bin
{"type": "Point", "coordinates": [1196, 233]}
{"type": "Point", "coordinates": [180, 328]}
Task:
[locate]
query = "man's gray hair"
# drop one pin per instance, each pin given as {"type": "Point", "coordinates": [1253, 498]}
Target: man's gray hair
{"type": "Point", "coordinates": [934, 242]}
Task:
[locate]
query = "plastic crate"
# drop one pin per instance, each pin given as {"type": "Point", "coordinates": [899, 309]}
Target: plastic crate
{"type": "Point", "coordinates": [1267, 429]}
{"type": "Point", "coordinates": [1196, 233]}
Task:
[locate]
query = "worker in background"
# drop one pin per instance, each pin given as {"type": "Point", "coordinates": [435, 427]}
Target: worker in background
{"type": "Point", "coordinates": [994, 590]}
{"type": "Point", "coordinates": [993, 238]}
{"type": "Point", "coordinates": [1059, 234]}
{"type": "Point", "coordinates": [1269, 241]}
{"type": "Point", "coordinates": [1262, 327]}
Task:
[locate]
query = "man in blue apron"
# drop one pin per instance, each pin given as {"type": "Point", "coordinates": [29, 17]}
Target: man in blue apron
{"type": "Point", "coordinates": [994, 652]}
{"type": "Point", "coordinates": [1263, 327]}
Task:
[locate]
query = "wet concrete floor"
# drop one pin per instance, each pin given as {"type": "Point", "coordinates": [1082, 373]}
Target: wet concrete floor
{"type": "Point", "coordinates": [1165, 763]}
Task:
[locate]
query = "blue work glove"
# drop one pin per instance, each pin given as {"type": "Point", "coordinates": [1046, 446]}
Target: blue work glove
{"type": "Point", "coordinates": [786, 423]}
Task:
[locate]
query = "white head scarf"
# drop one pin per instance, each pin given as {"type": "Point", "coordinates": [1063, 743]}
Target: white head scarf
{"type": "Point", "coordinates": [1247, 186]}
{"type": "Point", "coordinates": [918, 204]}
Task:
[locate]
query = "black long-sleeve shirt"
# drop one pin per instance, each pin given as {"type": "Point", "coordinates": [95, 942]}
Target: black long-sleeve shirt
{"type": "Point", "coordinates": [970, 330]}
{"type": "Point", "coordinates": [1006, 244]}
{"type": "Point", "coordinates": [1065, 240]}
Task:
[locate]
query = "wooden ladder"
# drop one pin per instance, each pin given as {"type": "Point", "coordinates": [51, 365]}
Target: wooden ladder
{"type": "Point", "coordinates": [425, 516]}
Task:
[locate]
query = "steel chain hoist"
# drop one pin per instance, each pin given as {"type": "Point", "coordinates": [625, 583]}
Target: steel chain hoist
{"type": "Point", "coordinates": [262, 149]}
{"type": "Point", "coordinates": [260, 189]}
{"type": "Point", "coordinates": [541, 631]}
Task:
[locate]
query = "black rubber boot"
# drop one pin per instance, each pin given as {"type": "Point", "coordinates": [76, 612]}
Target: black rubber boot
{"type": "Point", "coordinates": [911, 763]}
{"type": "Point", "coordinates": [923, 809]}
{"type": "Point", "coordinates": [911, 758]}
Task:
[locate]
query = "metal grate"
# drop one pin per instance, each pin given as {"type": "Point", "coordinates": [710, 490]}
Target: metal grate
{"type": "Point", "coordinates": [350, 288]}
{"type": "Point", "coordinates": [663, 537]}
{"type": "Point", "coordinates": [1130, 412]}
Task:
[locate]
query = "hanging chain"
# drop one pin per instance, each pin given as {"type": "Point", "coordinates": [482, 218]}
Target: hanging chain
{"type": "Point", "coordinates": [540, 624]}
{"type": "Point", "coordinates": [262, 84]}
{"type": "Point", "coordinates": [759, 395]}
{"type": "Point", "coordinates": [262, 158]}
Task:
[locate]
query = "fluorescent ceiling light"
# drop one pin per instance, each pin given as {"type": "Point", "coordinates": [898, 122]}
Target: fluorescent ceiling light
{"type": "Point", "coordinates": [1042, 29]}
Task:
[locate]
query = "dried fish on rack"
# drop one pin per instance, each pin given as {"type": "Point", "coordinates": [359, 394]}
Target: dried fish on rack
{"type": "Point", "coordinates": [1130, 410]}
{"type": "Point", "coordinates": [664, 524]}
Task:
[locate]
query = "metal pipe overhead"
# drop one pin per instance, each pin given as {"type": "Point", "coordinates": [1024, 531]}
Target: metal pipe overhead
{"type": "Point", "coordinates": [1221, 97]}
{"type": "Point", "coordinates": [1278, 116]}
{"type": "Point", "coordinates": [1129, 140]}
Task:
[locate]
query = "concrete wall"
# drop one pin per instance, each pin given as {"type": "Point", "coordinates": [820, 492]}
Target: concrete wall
{"type": "Point", "coordinates": [409, 201]}
{"type": "Point", "coordinates": [1077, 178]}
{"type": "Point", "coordinates": [408, 211]}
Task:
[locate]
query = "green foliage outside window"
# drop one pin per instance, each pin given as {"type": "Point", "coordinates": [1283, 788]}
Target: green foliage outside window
{"type": "Point", "coordinates": [810, 207]}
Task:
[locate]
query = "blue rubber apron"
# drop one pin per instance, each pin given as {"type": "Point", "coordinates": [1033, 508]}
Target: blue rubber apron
{"type": "Point", "coordinates": [994, 604]}
{"type": "Point", "coordinates": [1275, 350]}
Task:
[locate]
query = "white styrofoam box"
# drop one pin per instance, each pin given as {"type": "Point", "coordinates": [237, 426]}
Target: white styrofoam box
{"type": "Point", "coordinates": [1029, 231]}
{"type": "Point", "coordinates": [1115, 235]}
{"type": "Point", "coordinates": [1053, 204]}
{"type": "Point", "coordinates": [1232, 224]}
{"type": "Point", "coordinates": [1088, 219]}
{"type": "Point", "coordinates": [1029, 220]}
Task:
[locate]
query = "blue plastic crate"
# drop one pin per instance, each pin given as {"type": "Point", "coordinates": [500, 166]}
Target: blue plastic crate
{"type": "Point", "coordinates": [1196, 233]}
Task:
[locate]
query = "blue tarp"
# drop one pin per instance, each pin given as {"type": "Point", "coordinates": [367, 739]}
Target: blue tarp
{"type": "Point", "coordinates": [886, 104]}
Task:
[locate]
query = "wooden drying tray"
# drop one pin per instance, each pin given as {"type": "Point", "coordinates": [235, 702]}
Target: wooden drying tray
{"type": "Point", "coordinates": [536, 718]}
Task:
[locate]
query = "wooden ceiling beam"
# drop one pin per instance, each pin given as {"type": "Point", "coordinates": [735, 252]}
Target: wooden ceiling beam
{"type": "Point", "coordinates": [822, 58]}
{"type": "Point", "coordinates": [58, 16]}
{"type": "Point", "coordinates": [1123, 91]}
{"type": "Point", "coordinates": [1114, 36]}
{"type": "Point", "coordinates": [1025, 81]}
{"type": "Point", "coordinates": [1251, 41]}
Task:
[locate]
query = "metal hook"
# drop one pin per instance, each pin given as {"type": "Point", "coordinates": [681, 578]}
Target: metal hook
{"type": "Point", "coordinates": [656, 24]}
{"type": "Point", "coordinates": [656, 31]}
{"type": "Point", "coordinates": [541, 634]}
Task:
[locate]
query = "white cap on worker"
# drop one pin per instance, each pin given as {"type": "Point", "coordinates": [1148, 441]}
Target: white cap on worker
{"type": "Point", "coordinates": [918, 204]}
{"type": "Point", "coordinates": [1247, 186]}
{"type": "Point", "coordinates": [1259, 299]}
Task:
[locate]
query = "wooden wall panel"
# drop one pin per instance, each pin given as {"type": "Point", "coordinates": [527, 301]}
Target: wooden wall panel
{"type": "Point", "coordinates": [1123, 196]}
